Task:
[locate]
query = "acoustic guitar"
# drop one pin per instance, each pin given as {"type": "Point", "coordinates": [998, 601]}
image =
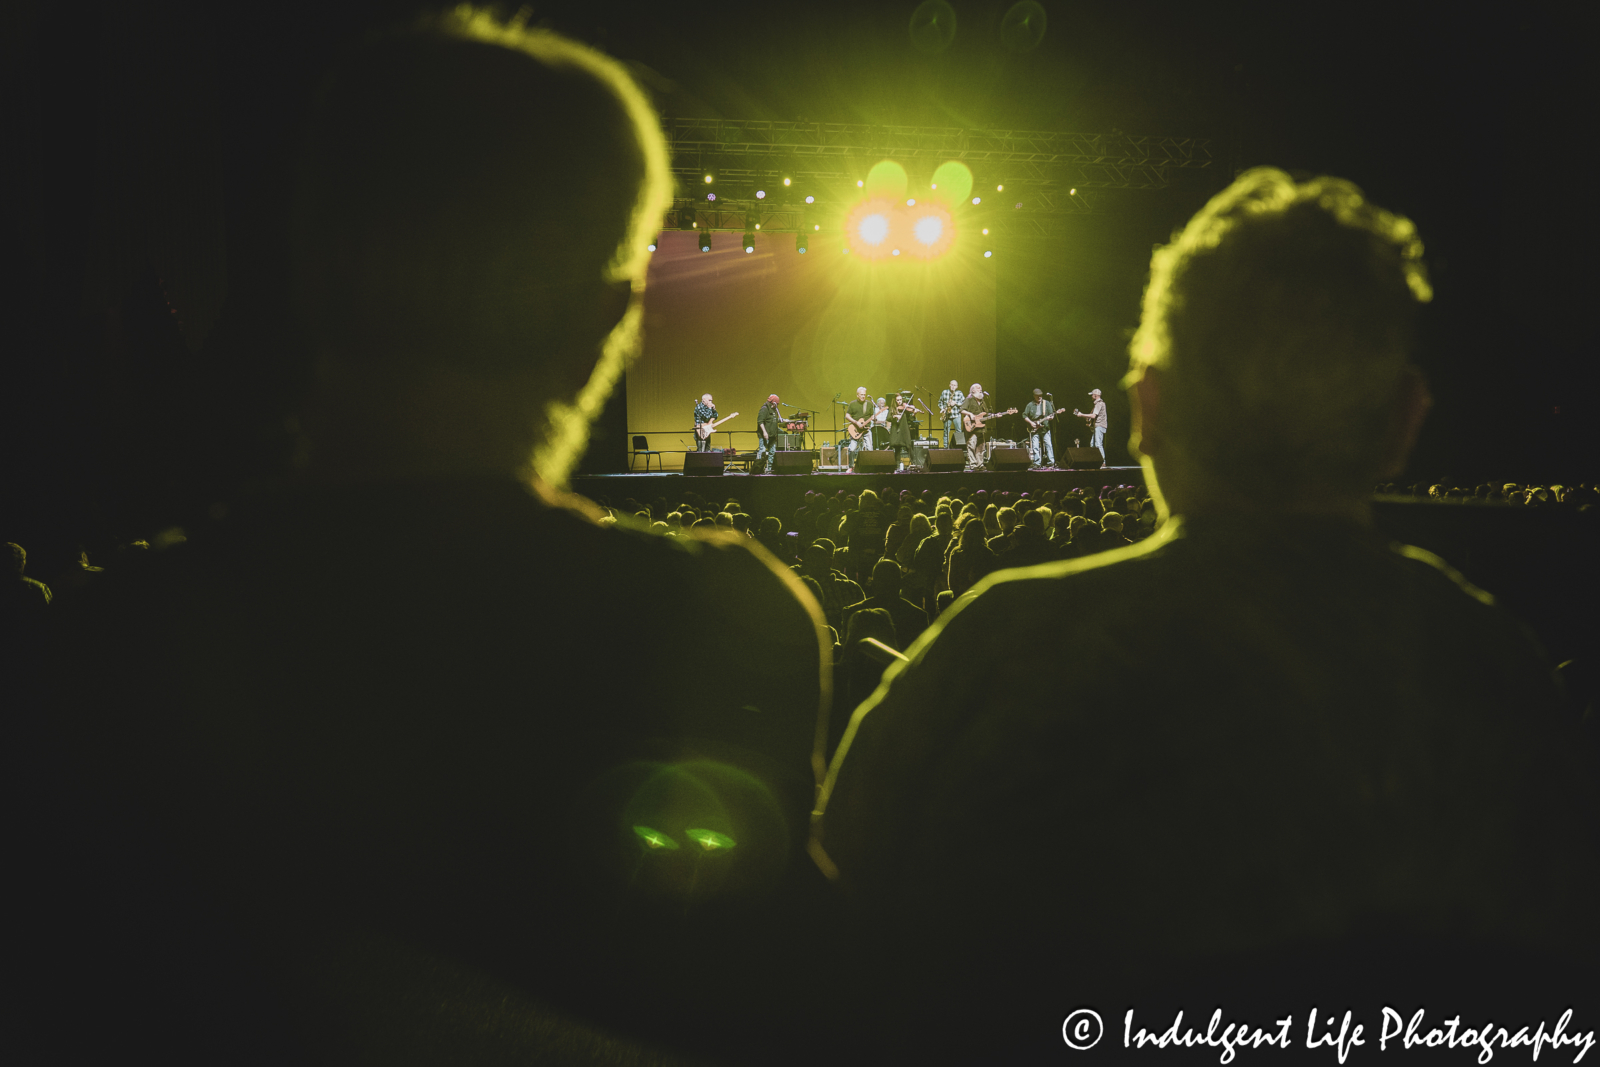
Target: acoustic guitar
{"type": "Point", "coordinates": [971, 422]}
{"type": "Point", "coordinates": [703, 430]}
{"type": "Point", "coordinates": [856, 428]}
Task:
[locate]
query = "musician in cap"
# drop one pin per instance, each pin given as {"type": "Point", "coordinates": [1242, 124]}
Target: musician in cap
{"type": "Point", "coordinates": [1095, 418]}
{"type": "Point", "coordinates": [768, 427]}
{"type": "Point", "coordinates": [1041, 449]}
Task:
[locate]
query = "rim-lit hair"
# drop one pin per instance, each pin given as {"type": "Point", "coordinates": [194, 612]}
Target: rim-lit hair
{"type": "Point", "coordinates": [1291, 307]}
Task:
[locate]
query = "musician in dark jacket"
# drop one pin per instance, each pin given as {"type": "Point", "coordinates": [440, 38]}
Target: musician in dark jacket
{"type": "Point", "coordinates": [767, 429]}
{"type": "Point", "coordinates": [978, 436]}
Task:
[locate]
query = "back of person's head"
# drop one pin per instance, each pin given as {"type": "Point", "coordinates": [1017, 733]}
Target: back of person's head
{"type": "Point", "coordinates": [818, 557]}
{"type": "Point", "coordinates": [771, 528]}
{"type": "Point", "coordinates": [868, 500]}
{"type": "Point", "coordinates": [1007, 518]}
{"type": "Point", "coordinates": [1112, 521]}
{"type": "Point", "coordinates": [972, 534]}
{"type": "Point", "coordinates": [920, 527]}
{"type": "Point", "coordinates": [1292, 307]}
{"type": "Point", "coordinates": [885, 579]}
{"type": "Point", "coordinates": [423, 231]}
{"type": "Point", "coordinates": [1034, 520]}
{"type": "Point", "coordinates": [722, 518]}
{"type": "Point", "coordinates": [943, 520]}
{"type": "Point", "coordinates": [870, 622]}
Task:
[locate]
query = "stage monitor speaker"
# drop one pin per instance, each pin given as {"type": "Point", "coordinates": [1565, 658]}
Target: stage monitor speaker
{"type": "Point", "coordinates": [1079, 459]}
{"type": "Point", "coordinates": [877, 462]}
{"type": "Point", "coordinates": [947, 459]}
{"type": "Point", "coordinates": [1009, 459]}
{"type": "Point", "coordinates": [702, 464]}
{"type": "Point", "coordinates": [794, 463]}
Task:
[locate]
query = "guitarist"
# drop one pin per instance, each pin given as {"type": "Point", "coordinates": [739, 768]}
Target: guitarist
{"type": "Point", "coordinates": [858, 414]}
{"type": "Point", "coordinates": [950, 412]}
{"type": "Point", "coordinates": [1038, 415]}
{"type": "Point", "coordinates": [973, 410]}
{"type": "Point", "coordinates": [705, 411]}
{"type": "Point", "coordinates": [1095, 419]}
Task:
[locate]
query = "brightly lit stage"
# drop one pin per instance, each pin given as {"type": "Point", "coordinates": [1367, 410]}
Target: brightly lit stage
{"type": "Point", "coordinates": [780, 494]}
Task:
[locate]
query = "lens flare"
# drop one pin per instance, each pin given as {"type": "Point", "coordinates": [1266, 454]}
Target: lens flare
{"type": "Point", "coordinates": [928, 229]}
{"type": "Point", "coordinates": [873, 229]}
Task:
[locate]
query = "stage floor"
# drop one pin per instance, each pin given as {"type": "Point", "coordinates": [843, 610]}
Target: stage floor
{"type": "Point", "coordinates": [780, 494]}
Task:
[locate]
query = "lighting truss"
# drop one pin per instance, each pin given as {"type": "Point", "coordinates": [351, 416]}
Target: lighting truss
{"type": "Point", "coordinates": [1038, 168]}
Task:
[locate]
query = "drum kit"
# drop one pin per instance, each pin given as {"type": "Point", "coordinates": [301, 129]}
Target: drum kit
{"type": "Point", "coordinates": [793, 439]}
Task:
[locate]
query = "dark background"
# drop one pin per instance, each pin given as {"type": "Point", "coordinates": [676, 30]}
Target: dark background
{"type": "Point", "coordinates": [152, 366]}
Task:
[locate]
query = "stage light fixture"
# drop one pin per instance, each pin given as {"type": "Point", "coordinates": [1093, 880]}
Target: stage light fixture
{"type": "Point", "coordinates": [651, 247]}
{"type": "Point", "coordinates": [999, 188]}
{"type": "Point", "coordinates": [811, 200]}
{"type": "Point", "coordinates": [911, 202]}
{"type": "Point", "coordinates": [986, 231]}
{"type": "Point", "coordinates": [874, 228]}
{"type": "Point", "coordinates": [977, 200]}
{"type": "Point", "coordinates": [749, 242]}
{"type": "Point", "coordinates": [860, 184]}
{"type": "Point", "coordinates": [705, 240]}
{"type": "Point", "coordinates": [987, 253]}
{"type": "Point", "coordinates": [896, 252]}
{"type": "Point", "coordinates": [711, 196]}
{"type": "Point", "coordinates": [800, 241]}
{"type": "Point", "coordinates": [1072, 192]}
{"type": "Point", "coordinates": [816, 225]}
{"type": "Point", "coordinates": [786, 181]}
{"type": "Point", "coordinates": [935, 185]}
{"type": "Point", "coordinates": [708, 179]}
{"type": "Point", "coordinates": [761, 194]}
{"type": "Point", "coordinates": [928, 229]}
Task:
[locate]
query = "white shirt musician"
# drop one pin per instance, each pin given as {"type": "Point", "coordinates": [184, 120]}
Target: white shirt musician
{"type": "Point", "coordinates": [1096, 419]}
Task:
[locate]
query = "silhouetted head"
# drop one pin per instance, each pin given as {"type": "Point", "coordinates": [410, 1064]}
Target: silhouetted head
{"type": "Point", "coordinates": [431, 260]}
{"type": "Point", "coordinates": [885, 580]}
{"type": "Point", "coordinates": [1292, 308]}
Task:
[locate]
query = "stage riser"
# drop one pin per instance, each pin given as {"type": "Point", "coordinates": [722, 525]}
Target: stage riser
{"type": "Point", "coordinates": [781, 494]}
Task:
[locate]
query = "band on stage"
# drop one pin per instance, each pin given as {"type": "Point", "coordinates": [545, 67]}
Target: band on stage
{"type": "Point", "coordinates": [967, 418]}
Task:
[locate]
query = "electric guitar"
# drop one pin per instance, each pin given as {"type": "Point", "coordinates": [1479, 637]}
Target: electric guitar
{"type": "Point", "coordinates": [1034, 424]}
{"type": "Point", "coordinates": [703, 430]}
{"type": "Point", "coordinates": [971, 422]}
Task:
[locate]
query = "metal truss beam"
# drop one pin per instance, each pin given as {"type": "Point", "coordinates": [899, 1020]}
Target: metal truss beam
{"type": "Point", "coordinates": [742, 151]}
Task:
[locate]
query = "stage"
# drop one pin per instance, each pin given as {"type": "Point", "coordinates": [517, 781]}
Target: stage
{"type": "Point", "coordinates": [781, 494]}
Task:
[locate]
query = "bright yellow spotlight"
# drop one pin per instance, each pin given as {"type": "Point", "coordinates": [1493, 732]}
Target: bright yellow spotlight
{"type": "Point", "coordinates": [999, 188]}
{"type": "Point", "coordinates": [932, 228]}
{"type": "Point", "coordinates": [986, 231]}
{"type": "Point", "coordinates": [786, 181]}
{"type": "Point", "coordinates": [911, 203]}
{"type": "Point", "coordinates": [817, 227]}
{"type": "Point", "coordinates": [873, 229]}
{"type": "Point", "coordinates": [987, 254]}
{"type": "Point", "coordinates": [1072, 192]}
{"type": "Point", "coordinates": [935, 185]}
{"type": "Point", "coordinates": [758, 225]}
{"type": "Point", "coordinates": [708, 179]}
{"type": "Point", "coordinates": [860, 183]}
{"type": "Point", "coordinates": [928, 229]}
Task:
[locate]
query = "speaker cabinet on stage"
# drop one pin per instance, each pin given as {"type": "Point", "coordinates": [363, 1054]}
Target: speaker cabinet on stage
{"type": "Point", "coordinates": [877, 462]}
{"type": "Point", "coordinates": [947, 459]}
{"type": "Point", "coordinates": [1009, 459]}
{"type": "Point", "coordinates": [794, 463]}
{"type": "Point", "coordinates": [1079, 459]}
{"type": "Point", "coordinates": [702, 464]}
